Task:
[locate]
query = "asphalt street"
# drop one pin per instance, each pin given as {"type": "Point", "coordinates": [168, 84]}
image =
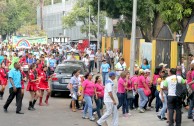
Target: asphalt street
{"type": "Point", "coordinates": [56, 114]}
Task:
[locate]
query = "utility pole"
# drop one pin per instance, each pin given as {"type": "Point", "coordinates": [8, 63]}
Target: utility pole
{"type": "Point", "coordinates": [41, 13]}
{"type": "Point", "coordinates": [133, 38]}
{"type": "Point", "coordinates": [98, 36]}
{"type": "Point", "coordinates": [89, 25]}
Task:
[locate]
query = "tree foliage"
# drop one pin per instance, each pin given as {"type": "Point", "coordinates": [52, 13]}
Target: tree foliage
{"type": "Point", "coordinates": [80, 16]}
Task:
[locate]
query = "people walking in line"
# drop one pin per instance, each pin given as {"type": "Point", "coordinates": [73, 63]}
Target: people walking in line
{"type": "Point", "coordinates": [110, 102]}
{"type": "Point", "coordinates": [174, 102]}
{"type": "Point", "coordinates": [74, 83]}
{"type": "Point", "coordinates": [3, 79]}
{"type": "Point", "coordinates": [105, 68]}
{"type": "Point", "coordinates": [14, 89]}
{"type": "Point", "coordinates": [87, 94]}
{"type": "Point", "coordinates": [43, 84]}
{"type": "Point", "coordinates": [99, 95]}
{"type": "Point", "coordinates": [32, 86]}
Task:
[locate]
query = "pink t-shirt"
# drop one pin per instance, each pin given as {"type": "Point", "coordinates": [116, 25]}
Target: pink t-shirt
{"type": "Point", "coordinates": [148, 81]}
{"type": "Point", "coordinates": [121, 88]}
{"type": "Point", "coordinates": [192, 74]}
{"type": "Point", "coordinates": [89, 87]}
{"type": "Point", "coordinates": [100, 90]}
{"type": "Point", "coordinates": [155, 78]}
{"type": "Point", "coordinates": [141, 81]}
{"type": "Point", "coordinates": [189, 77]}
{"type": "Point", "coordinates": [134, 80]}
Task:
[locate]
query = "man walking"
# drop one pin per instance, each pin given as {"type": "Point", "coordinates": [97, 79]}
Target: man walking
{"type": "Point", "coordinates": [109, 102]}
{"type": "Point", "coordinates": [99, 59]}
{"type": "Point", "coordinates": [14, 88]}
{"type": "Point", "coordinates": [174, 102]}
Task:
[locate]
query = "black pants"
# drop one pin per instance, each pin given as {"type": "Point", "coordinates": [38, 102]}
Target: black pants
{"type": "Point", "coordinates": [12, 95]}
{"type": "Point", "coordinates": [153, 90]}
{"type": "Point", "coordinates": [174, 103]}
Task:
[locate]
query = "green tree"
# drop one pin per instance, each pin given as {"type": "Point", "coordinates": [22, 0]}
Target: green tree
{"type": "Point", "coordinates": [80, 14]}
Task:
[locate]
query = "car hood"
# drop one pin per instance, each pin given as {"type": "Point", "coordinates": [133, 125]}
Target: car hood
{"type": "Point", "coordinates": [63, 75]}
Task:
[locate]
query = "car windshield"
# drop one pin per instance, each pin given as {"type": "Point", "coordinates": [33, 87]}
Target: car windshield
{"type": "Point", "coordinates": [75, 54]}
{"type": "Point", "coordinates": [67, 70]}
{"type": "Point", "coordinates": [72, 62]}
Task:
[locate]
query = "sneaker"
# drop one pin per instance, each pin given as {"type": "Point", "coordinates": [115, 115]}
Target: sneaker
{"type": "Point", "coordinates": [164, 118]}
{"type": "Point", "coordinates": [85, 117]}
{"type": "Point", "coordinates": [141, 110]}
{"type": "Point", "coordinates": [94, 113]}
{"type": "Point", "coordinates": [98, 124]}
{"type": "Point", "coordinates": [159, 117]}
{"type": "Point", "coordinates": [190, 117]}
{"type": "Point", "coordinates": [129, 114]}
{"type": "Point", "coordinates": [92, 119]}
{"type": "Point", "coordinates": [125, 115]}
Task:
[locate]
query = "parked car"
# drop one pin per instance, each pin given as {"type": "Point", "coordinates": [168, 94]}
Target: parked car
{"type": "Point", "coordinates": [62, 76]}
{"type": "Point", "coordinates": [79, 62]}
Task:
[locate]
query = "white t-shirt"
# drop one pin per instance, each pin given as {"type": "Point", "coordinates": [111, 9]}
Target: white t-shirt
{"type": "Point", "coordinates": [111, 54]}
{"type": "Point", "coordinates": [120, 68]}
{"type": "Point", "coordinates": [92, 56]}
{"type": "Point", "coordinates": [192, 61]}
{"type": "Point", "coordinates": [171, 82]}
{"type": "Point", "coordinates": [86, 61]}
{"type": "Point", "coordinates": [108, 88]}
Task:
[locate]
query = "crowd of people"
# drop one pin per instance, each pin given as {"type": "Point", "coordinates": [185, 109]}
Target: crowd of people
{"type": "Point", "coordinates": [135, 92]}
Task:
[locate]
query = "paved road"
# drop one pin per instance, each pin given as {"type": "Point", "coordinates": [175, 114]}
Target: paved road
{"type": "Point", "coordinates": [56, 114]}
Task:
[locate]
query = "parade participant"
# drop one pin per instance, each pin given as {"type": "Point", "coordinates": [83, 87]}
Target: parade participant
{"type": "Point", "coordinates": [74, 83]}
{"type": "Point", "coordinates": [3, 79]}
{"type": "Point", "coordinates": [190, 82]}
{"type": "Point", "coordinates": [43, 85]}
{"type": "Point", "coordinates": [148, 83]}
{"type": "Point", "coordinates": [174, 102]}
{"type": "Point", "coordinates": [6, 62]}
{"type": "Point", "coordinates": [92, 57]}
{"type": "Point", "coordinates": [110, 102]}
{"type": "Point", "coordinates": [120, 67]}
{"type": "Point", "coordinates": [87, 94]}
{"type": "Point", "coordinates": [105, 68]}
{"type": "Point", "coordinates": [14, 89]}
{"type": "Point", "coordinates": [121, 93]}
{"type": "Point", "coordinates": [32, 86]}
{"type": "Point", "coordinates": [30, 60]}
{"type": "Point", "coordinates": [108, 59]}
{"type": "Point", "coordinates": [153, 87]}
{"type": "Point", "coordinates": [23, 80]}
{"type": "Point", "coordinates": [141, 86]}
{"type": "Point", "coordinates": [52, 64]}
{"type": "Point", "coordinates": [99, 95]}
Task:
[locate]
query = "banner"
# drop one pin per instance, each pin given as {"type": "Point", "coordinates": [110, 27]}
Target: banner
{"type": "Point", "coordinates": [26, 42]}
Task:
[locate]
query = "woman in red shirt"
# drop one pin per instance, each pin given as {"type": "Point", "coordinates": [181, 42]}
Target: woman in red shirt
{"type": "Point", "coordinates": [24, 77]}
{"type": "Point", "coordinates": [43, 85]}
{"type": "Point", "coordinates": [3, 79]}
{"type": "Point", "coordinates": [99, 95]}
{"type": "Point", "coordinates": [32, 86]}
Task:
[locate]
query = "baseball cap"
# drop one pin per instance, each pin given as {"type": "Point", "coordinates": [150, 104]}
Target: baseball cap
{"type": "Point", "coordinates": [112, 74]}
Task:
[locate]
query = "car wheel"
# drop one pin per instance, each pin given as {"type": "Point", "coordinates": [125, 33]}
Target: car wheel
{"type": "Point", "coordinates": [52, 94]}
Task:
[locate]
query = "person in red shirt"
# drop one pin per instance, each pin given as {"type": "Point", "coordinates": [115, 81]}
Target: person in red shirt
{"type": "Point", "coordinates": [3, 79]}
{"type": "Point", "coordinates": [43, 85]}
{"type": "Point", "coordinates": [39, 66]}
{"type": "Point", "coordinates": [6, 62]}
{"type": "Point", "coordinates": [32, 86]}
{"type": "Point", "coordinates": [24, 77]}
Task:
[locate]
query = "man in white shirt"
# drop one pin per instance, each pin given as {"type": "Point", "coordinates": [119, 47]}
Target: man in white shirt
{"type": "Point", "coordinates": [99, 56]}
{"type": "Point", "coordinates": [120, 67]}
{"type": "Point", "coordinates": [109, 101]}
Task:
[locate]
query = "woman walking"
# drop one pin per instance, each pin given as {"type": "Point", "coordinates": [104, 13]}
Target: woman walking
{"type": "Point", "coordinates": [74, 83]}
{"type": "Point", "coordinates": [99, 95]}
{"type": "Point", "coordinates": [121, 93]}
{"type": "Point", "coordinates": [87, 93]}
{"type": "Point", "coordinates": [32, 86]}
{"type": "Point", "coordinates": [43, 85]}
{"type": "Point", "coordinates": [105, 68]}
{"type": "Point", "coordinates": [141, 86]}
{"type": "Point", "coordinates": [3, 79]}
{"type": "Point", "coordinates": [24, 78]}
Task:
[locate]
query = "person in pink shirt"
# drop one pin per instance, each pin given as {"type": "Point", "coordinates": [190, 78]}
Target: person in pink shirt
{"type": "Point", "coordinates": [153, 85]}
{"type": "Point", "coordinates": [121, 92]}
{"type": "Point", "coordinates": [141, 86]}
{"type": "Point", "coordinates": [148, 83]}
{"type": "Point", "coordinates": [99, 95]}
{"type": "Point", "coordinates": [190, 82]}
{"type": "Point", "coordinates": [87, 93]}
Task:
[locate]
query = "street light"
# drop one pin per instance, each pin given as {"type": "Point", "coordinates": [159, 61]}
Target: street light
{"type": "Point", "coordinates": [133, 38]}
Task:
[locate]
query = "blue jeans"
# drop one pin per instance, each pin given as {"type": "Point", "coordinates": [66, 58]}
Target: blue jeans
{"type": "Point", "coordinates": [104, 77]}
{"type": "Point", "coordinates": [129, 104]}
{"type": "Point", "coordinates": [191, 106]}
{"type": "Point", "coordinates": [99, 106]}
{"type": "Point", "coordinates": [142, 97]}
{"type": "Point", "coordinates": [158, 101]}
{"type": "Point", "coordinates": [122, 98]}
{"type": "Point", "coordinates": [88, 106]}
{"type": "Point", "coordinates": [164, 106]}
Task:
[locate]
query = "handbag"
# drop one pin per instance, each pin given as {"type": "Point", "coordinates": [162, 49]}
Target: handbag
{"type": "Point", "coordinates": [130, 94]}
{"type": "Point", "coordinates": [147, 91]}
